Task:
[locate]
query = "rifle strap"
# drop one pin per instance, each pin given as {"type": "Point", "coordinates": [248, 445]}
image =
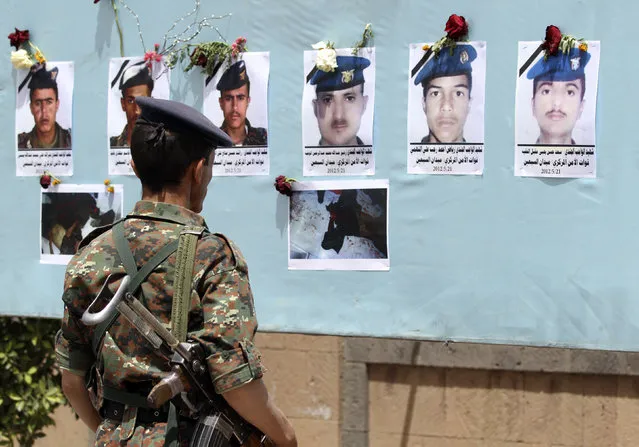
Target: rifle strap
{"type": "Point", "coordinates": [137, 276]}
{"type": "Point", "coordinates": [184, 261]}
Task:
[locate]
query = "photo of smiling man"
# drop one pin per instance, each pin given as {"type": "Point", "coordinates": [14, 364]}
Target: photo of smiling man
{"type": "Point", "coordinates": [43, 119]}
{"type": "Point", "coordinates": [337, 112]}
{"type": "Point", "coordinates": [445, 109]}
{"type": "Point", "coordinates": [556, 108]}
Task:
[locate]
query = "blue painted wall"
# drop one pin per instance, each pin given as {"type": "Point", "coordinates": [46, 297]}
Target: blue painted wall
{"type": "Point", "coordinates": [493, 258]}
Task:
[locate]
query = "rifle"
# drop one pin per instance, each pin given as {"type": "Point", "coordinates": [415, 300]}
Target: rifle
{"type": "Point", "coordinates": [218, 424]}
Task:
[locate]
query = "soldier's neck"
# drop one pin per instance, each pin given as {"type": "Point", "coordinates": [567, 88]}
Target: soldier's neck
{"type": "Point", "coordinates": [237, 135]}
{"type": "Point", "coordinates": [546, 138]}
{"type": "Point", "coordinates": [176, 196]}
{"type": "Point", "coordinates": [46, 138]}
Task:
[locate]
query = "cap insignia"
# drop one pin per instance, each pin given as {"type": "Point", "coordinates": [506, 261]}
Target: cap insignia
{"type": "Point", "coordinates": [347, 76]}
{"type": "Point", "coordinates": [574, 64]}
{"type": "Point", "coordinates": [463, 57]}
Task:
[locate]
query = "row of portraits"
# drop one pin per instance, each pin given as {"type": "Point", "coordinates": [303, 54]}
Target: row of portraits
{"type": "Point", "coordinates": [555, 110]}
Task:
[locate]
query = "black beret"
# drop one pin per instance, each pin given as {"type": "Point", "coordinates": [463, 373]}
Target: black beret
{"type": "Point", "coordinates": [234, 77]}
{"type": "Point", "coordinates": [181, 119]}
{"type": "Point", "coordinates": [44, 78]}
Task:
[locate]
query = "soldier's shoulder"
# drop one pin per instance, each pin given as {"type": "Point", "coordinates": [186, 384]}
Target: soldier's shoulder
{"type": "Point", "coordinates": [220, 252]}
{"type": "Point", "coordinates": [65, 137]}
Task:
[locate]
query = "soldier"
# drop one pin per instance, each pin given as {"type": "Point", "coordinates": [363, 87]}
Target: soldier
{"type": "Point", "coordinates": [44, 104]}
{"type": "Point", "coordinates": [135, 80]}
{"type": "Point", "coordinates": [235, 96]}
{"type": "Point", "coordinates": [340, 101]}
{"type": "Point", "coordinates": [172, 149]}
{"type": "Point", "coordinates": [447, 82]}
{"type": "Point", "coordinates": [559, 85]}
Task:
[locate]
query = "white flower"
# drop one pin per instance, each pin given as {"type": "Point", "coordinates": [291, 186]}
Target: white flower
{"type": "Point", "coordinates": [21, 60]}
{"type": "Point", "coordinates": [326, 59]}
{"type": "Point", "coordinates": [319, 45]}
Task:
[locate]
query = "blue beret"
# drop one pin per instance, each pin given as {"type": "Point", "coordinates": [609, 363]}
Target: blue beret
{"type": "Point", "coordinates": [136, 74]}
{"type": "Point", "coordinates": [43, 78]}
{"type": "Point", "coordinates": [181, 118]}
{"type": "Point", "coordinates": [560, 67]}
{"type": "Point", "coordinates": [349, 73]}
{"type": "Point", "coordinates": [234, 77]}
{"type": "Point", "coordinates": [446, 63]}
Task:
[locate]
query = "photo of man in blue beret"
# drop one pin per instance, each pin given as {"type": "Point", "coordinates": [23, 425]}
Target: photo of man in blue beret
{"type": "Point", "coordinates": [44, 103]}
{"type": "Point", "coordinates": [559, 86]}
{"type": "Point", "coordinates": [134, 80]}
{"type": "Point", "coordinates": [235, 97]}
{"type": "Point", "coordinates": [340, 101]}
{"type": "Point", "coordinates": [446, 80]}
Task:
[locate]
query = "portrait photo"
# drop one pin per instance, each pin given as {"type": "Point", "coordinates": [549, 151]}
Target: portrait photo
{"type": "Point", "coordinates": [44, 112]}
{"type": "Point", "coordinates": [236, 99]}
{"type": "Point", "coordinates": [446, 97]}
{"type": "Point", "coordinates": [556, 100]}
{"type": "Point", "coordinates": [339, 225]}
{"type": "Point", "coordinates": [45, 107]}
{"type": "Point", "coordinates": [71, 212]}
{"type": "Point", "coordinates": [337, 112]}
{"type": "Point", "coordinates": [128, 79]}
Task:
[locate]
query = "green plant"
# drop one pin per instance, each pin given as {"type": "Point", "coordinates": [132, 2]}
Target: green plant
{"type": "Point", "coordinates": [30, 387]}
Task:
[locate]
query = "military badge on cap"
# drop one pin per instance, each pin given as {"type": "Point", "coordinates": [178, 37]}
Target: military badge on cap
{"type": "Point", "coordinates": [448, 62]}
{"type": "Point", "coordinates": [40, 77]}
{"type": "Point", "coordinates": [562, 67]}
{"type": "Point", "coordinates": [130, 75]}
{"type": "Point", "coordinates": [349, 73]}
{"type": "Point", "coordinates": [234, 77]}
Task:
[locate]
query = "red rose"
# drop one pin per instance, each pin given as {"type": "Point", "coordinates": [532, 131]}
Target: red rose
{"type": "Point", "coordinates": [18, 38]}
{"type": "Point", "coordinates": [283, 186]}
{"type": "Point", "coordinates": [553, 37]}
{"type": "Point", "coordinates": [456, 27]}
{"type": "Point", "coordinates": [45, 181]}
{"type": "Point", "coordinates": [202, 60]}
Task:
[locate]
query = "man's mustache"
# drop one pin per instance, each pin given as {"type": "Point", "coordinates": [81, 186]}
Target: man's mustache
{"type": "Point", "coordinates": [339, 123]}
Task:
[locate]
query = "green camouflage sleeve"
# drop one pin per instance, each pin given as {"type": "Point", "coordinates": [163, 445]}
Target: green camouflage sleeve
{"type": "Point", "coordinates": [73, 345]}
{"type": "Point", "coordinates": [229, 322]}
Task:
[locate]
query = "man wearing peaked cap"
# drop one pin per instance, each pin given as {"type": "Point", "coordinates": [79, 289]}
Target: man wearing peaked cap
{"type": "Point", "coordinates": [172, 150]}
{"type": "Point", "coordinates": [44, 104]}
{"type": "Point", "coordinates": [446, 79]}
{"type": "Point", "coordinates": [134, 80]}
{"type": "Point", "coordinates": [235, 96]}
{"type": "Point", "coordinates": [340, 101]}
{"type": "Point", "coordinates": [559, 85]}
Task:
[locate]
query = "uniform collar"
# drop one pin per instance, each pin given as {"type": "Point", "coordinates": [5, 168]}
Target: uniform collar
{"type": "Point", "coordinates": [167, 211]}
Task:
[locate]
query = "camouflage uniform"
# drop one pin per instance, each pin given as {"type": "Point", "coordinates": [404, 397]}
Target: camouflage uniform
{"type": "Point", "coordinates": [255, 136]}
{"type": "Point", "coordinates": [29, 140]}
{"type": "Point", "coordinates": [120, 140]}
{"type": "Point", "coordinates": [221, 317]}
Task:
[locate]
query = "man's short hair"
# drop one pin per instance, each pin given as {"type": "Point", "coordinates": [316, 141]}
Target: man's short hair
{"type": "Point", "coordinates": [537, 81]}
{"type": "Point", "coordinates": [161, 156]}
{"type": "Point", "coordinates": [469, 78]}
